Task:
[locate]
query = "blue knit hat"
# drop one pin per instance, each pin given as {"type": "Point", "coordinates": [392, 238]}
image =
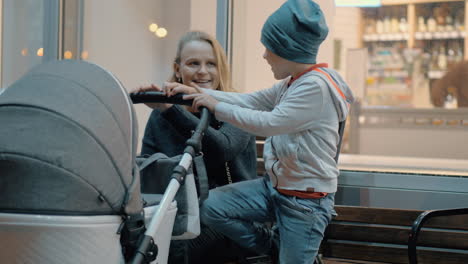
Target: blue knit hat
{"type": "Point", "coordinates": [295, 31]}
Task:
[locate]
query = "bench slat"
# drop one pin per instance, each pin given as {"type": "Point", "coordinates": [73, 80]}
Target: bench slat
{"type": "Point", "coordinates": [376, 215]}
{"type": "Point", "coordinates": [260, 167]}
{"type": "Point", "coordinates": [396, 217]}
{"type": "Point", "coordinates": [259, 149]}
{"type": "Point", "coordinates": [397, 235]}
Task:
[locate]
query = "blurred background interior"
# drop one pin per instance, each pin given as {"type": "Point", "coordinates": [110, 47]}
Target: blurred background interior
{"type": "Point", "coordinates": [406, 137]}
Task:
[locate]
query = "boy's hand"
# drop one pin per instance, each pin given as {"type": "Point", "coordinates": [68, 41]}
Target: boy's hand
{"type": "Point", "coordinates": [173, 88]}
{"type": "Point", "coordinates": [203, 99]}
{"type": "Point", "coordinates": [152, 87]}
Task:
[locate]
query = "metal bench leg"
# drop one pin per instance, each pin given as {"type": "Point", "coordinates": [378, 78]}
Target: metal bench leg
{"type": "Point", "coordinates": [318, 259]}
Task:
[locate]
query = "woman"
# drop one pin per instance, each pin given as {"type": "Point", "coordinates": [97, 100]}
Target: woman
{"type": "Point", "coordinates": [229, 153]}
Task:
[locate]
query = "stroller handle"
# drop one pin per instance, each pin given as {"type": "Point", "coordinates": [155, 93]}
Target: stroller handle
{"type": "Point", "coordinates": [158, 97]}
{"type": "Point", "coordinates": [196, 139]}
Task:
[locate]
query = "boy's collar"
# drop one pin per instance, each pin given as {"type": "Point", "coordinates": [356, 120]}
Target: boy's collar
{"type": "Point", "coordinates": [311, 68]}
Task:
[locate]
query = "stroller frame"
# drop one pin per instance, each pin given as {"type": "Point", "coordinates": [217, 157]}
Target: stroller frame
{"type": "Point", "coordinates": [70, 192]}
{"type": "Point", "coordinates": [147, 250]}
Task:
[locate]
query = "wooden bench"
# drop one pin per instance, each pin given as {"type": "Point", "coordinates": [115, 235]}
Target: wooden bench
{"type": "Point", "coordinates": [379, 235]}
{"type": "Point", "coordinates": [260, 164]}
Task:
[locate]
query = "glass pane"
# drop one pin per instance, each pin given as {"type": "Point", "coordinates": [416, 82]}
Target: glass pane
{"type": "Point", "coordinates": [22, 38]}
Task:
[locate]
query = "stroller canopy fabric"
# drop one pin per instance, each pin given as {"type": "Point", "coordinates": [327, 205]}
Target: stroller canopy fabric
{"type": "Point", "coordinates": [68, 139]}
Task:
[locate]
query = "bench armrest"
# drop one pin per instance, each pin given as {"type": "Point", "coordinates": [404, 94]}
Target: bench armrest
{"type": "Point", "coordinates": [418, 224]}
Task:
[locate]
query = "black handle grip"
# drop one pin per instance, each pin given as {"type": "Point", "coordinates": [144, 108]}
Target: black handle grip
{"type": "Point", "coordinates": [158, 97]}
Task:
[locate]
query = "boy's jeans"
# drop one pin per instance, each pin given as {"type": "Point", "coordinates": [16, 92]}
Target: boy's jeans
{"type": "Point", "coordinates": [232, 210]}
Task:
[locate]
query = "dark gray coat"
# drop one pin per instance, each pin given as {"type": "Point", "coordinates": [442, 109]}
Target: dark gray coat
{"type": "Point", "coordinates": [168, 131]}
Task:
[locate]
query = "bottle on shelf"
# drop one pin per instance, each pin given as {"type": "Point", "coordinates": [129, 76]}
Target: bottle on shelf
{"type": "Point", "coordinates": [459, 20]}
{"type": "Point", "coordinates": [431, 24]}
{"type": "Point", "coordinates": [451, 55]}
{"type": "Point", "coordinates": [403, 23]}
{"type": "Point", "coordinates": [431, 21]}
{"type": "Point", "coordinates": [450, 102]}
{"type": "Point", "coordinates": [434, 66]}
{"type": "Point", "coordinates": [458, 52]}
{"type": "Point", "coordinates": [395, 22]}
{"type": "Point", "coordinates": [387, 24]}
{"type": "Point", "coordinates": [380, 22]}
{"type": "Point", "coordinates": [370, 25]}
{"type": "Point", "coordinates": [449, 24]}
{"type": "Point", "coordinates": [422, 24]}
{"type": "Point", "coordinates": [439, 16]}
{"type": "Point", "coordinates": [442, 58]}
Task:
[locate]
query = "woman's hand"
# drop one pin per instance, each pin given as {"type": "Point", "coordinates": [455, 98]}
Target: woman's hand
{"type": "Point", "coordinates": [202, 99]}
{"type": "Point", "coordinates": [152, 87]}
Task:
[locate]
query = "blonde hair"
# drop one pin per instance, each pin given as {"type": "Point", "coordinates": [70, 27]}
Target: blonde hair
{"type": "Point", "coordinates": [221, 61]}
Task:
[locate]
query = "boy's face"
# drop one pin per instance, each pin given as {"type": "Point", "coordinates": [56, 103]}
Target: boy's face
{"type": "Point", "coordinates": [279, 66]}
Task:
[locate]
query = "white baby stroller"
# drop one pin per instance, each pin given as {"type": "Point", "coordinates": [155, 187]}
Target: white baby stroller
{"type": "Point", "coordinates": [69, 183]}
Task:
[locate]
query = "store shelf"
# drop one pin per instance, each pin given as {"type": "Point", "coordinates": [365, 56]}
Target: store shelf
{"type": "Point", "coordinates": [371, 33]}
{"type": "Point", "coordinates": [386, 37]}
{"type": "Point", "coordinates": [419, 43]}
{"type": "Point", "coordinates": [409, 2]}
{"type": "Point", "coordinates": [439, 35]}
{"type": "Point", "coordinates": [397, 88]}
{"type": "Point", "coordinates": [435, 74]}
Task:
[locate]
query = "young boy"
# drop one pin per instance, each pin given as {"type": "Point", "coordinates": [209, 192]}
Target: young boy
{"type": "Point", "coordinates": [299, 115]}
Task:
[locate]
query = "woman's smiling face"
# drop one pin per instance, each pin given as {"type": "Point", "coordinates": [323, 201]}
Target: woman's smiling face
{"type": "Point", "coordinates": [198, 65]}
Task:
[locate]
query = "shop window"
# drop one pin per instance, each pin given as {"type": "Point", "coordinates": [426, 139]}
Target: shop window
{"type": "Point", "coordinates": [393, 55]}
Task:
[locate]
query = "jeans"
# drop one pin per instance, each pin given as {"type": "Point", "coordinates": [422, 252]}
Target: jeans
{"type": "Point", "coordinates": [233, 210]}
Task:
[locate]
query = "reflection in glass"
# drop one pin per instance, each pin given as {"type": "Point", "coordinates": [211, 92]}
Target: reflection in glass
{"type": "Point", "coordinates": [401, 61]}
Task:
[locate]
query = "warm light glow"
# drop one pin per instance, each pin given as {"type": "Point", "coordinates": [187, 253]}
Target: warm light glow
{"type": "Point", "coordinates": [153, 27]}
{"type": "Point", "coordinates": [24, 52]}
{"type": "Point", "coordinates": [84, 55]}
{"type": "Point", "coordinates": [67, 55]}
{"type": "Point", "coordinates": [161, 32]}
{"type": "Point", "coordinates": [40, 52]}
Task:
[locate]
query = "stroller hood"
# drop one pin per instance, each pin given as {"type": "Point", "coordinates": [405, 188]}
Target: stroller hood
{"type": "Point", "coordinates": [68, 139]}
